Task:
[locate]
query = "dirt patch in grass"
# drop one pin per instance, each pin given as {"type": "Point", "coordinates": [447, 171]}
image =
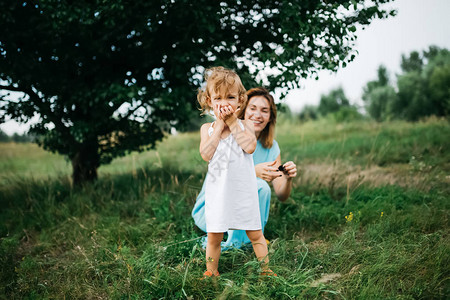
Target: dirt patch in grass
{"type": "Point", "coordinates": [325, 279]}
{"type": "Point", "coordinates": [339, 174]}
{"type": "Point", "coordinates": [318, 245]}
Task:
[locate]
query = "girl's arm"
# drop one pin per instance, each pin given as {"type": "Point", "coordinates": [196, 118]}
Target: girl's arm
{"type": "Point", "coordinates": [245, 138]}
{"type": "Point", "coordinates": [208, 144]}
{"type": "Point", "coordinates": [283, 185]}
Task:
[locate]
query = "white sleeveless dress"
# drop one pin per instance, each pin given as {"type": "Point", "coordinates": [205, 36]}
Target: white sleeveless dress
{"type": "Point", "coordinates": [231, 192]}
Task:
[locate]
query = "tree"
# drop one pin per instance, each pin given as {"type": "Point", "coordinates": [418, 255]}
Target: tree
{"type": "Point", "coordinates": [411, 98]}
{"type": "Point", "coordinates": [382, 80]}
{"type": "Point", "coordinates": [381, 101]}
{"type": "Point", "coordinates": [109, 77]}
{"type": "Point", "coordinates": [4, 137]}
{"type": "Point", "coordinates": [379, 96]}
{"type": "Point", "coordinates": [347, 114]}
{"type": "Point", "coordinates": [412, 63]}
{"type": "Point", "coordinates": [423, 89]}
{"type": "Point", "coordinates": [309, 112]}
{"type": "Point", "coordinates": [336, 105]}
{"type": "Point", "coordinates": [333, 101]}
{"type": "Point", "coordinates": [437, 73]}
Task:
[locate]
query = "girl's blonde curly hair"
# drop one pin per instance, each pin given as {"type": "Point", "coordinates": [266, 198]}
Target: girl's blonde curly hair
{"type": "Point", "coordinates": [215, 78]}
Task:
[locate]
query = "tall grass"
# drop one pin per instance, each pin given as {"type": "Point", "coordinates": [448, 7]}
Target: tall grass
{"type": "Point", "coordinates": [130, 234]}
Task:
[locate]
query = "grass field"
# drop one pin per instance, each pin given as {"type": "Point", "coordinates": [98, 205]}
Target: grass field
{"type": "Point", "coordinates": [368, 218]}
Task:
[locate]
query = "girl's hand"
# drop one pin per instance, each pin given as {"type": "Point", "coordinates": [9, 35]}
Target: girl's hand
{"type": "Point", "coordinates": [267, 171]}
{"type": "Point", "coordinates": [226, 112]}
{"type": "Point", "coordinates": [221, 112]}
{"type": "Point", "coordinates": [216, 109]}
{"type": "Point", "coordinates": [290, 169]}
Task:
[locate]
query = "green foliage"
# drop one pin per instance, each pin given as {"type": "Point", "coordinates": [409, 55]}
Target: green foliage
{"type": "Point", "coordinates": [422, 88]}
{"type": "Point", "coordinates": [413, 63]}
{"type": "Point", "coordinates": [347, 114]}
{"type": "Point", "coordinates": [382, 103]}
{"type": "Point", "coordinates": [412, 99]}
{"type": "Point", "coordinates": [195, 122]}
{"type": "Point", "coordinates": [378, 94]}
{"type": "Point", "coordinates": [332, 102]}
{"type": "Point", "coordinates": [367, 143]}
{"type": "Point", "coordinates": [382, 81]}
{"type": "Point", "coordinates": [110, 77]}
{"type": "Point", "coordinates": [4, 137]}
{"type": "Point", "coordinates": [284, 114]}
{"type": "Point", "coordinates": [425, 91]}
{"type": "Point", "coordinates": [130, 234]}
{"type": "Point", "coordinates": [334, 106]}
{"type": "Point", "coordinates": [308, 113]}
{"type": "Point", "coordinates": [437, 73]}
{"type": "Point", "coordinates": [17, 138]}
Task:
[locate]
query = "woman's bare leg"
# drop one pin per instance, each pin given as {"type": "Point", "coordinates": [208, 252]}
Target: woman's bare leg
{"type": "Point", "coordinates": [213, 251]}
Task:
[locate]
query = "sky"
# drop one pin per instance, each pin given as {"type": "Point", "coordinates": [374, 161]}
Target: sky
{"type": "Point", "coordinates": [417, 25]}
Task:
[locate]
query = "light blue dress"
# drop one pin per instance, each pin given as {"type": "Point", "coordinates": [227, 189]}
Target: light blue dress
{"type": "Point", "coordinates": [238, 238]}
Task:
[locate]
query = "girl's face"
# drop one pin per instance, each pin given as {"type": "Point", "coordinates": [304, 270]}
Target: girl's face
{"type": "Point", "coordinates": [224, 96]}
{"type": "Point", "coordinates": [258, 111]}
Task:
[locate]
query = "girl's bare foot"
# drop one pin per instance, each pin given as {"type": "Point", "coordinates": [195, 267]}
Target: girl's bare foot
{"type": "Point", "coordinates": [208, 274]}
{"type": "Point", "coordinates": [268, 272]}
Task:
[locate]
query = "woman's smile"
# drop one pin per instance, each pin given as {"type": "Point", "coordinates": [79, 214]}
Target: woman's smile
{"type": "Point", "coordinates": [258, 111]}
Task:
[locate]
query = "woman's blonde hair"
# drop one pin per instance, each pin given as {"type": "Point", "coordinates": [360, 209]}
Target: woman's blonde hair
{"type": "Point", "coordinates": [216, 78]}
{"type": "Point", "coordinates": [267, 135]}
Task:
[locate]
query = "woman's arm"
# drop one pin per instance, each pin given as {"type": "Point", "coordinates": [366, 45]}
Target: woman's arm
{"type": "Point", "coordinates": [283, 184]}
{"type": "Point", "coordinates": [208, 144]}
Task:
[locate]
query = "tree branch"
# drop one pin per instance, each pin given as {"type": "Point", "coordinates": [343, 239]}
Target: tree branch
{"type": "Point", "coordinates": [46, 110]}
{"type": "Point", "coordinates": [132, 111]}
{"type": "Point", "coordinates": [7, 100]}
{"type": "Point", "coordinates": [11, 88]}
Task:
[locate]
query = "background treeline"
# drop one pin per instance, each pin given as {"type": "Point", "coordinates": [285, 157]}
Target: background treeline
{"type": "Point", "coordinates": [18, 138]}
{"type": "Point", "coordinates": [421, 89]}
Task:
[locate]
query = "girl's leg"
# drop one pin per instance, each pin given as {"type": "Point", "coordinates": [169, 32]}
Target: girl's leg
{"type": "Point", "coordinates": [238, 238]}
{"type": "Point", "coordinates": [213, 252]}
{"type": "Point", "coordinates": [259, 246]}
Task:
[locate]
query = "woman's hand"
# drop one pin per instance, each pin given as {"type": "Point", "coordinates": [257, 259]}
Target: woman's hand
{"type": "Point", "coordinates": [267, 171]}
{"type": "Point", "coordinates": [283, 185]}
{"type": "Point", "coordinates": [290, 169]}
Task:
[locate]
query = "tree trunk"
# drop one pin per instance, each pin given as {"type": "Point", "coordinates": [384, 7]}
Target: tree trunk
{"type": "Point", "coordinates": [85, 164]}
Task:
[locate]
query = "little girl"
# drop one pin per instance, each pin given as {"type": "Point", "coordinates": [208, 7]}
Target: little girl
{"type": "Point", "coordinates": [231, 194]}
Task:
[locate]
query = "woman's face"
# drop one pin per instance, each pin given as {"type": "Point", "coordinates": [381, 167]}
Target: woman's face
{"type": "Point", "coordinates": [258, 111]}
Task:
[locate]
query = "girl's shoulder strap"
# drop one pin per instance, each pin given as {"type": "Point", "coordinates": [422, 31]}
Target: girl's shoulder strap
{"type": "Point", "coordinates": [211, 128]}
{"type": "Point", "coordinates": [241, 125]}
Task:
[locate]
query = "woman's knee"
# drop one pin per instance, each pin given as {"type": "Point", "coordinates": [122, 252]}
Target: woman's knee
{"type": "Point", "coordinates": [198, 212]}
{"type": "Point", "coordinates": [263, 187]}
{"type": "Point", "coordinates": [264, 200]}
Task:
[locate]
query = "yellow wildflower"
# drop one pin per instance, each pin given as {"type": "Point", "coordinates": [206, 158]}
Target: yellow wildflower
{"type": "Point", "coordinates": [349, 218]}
